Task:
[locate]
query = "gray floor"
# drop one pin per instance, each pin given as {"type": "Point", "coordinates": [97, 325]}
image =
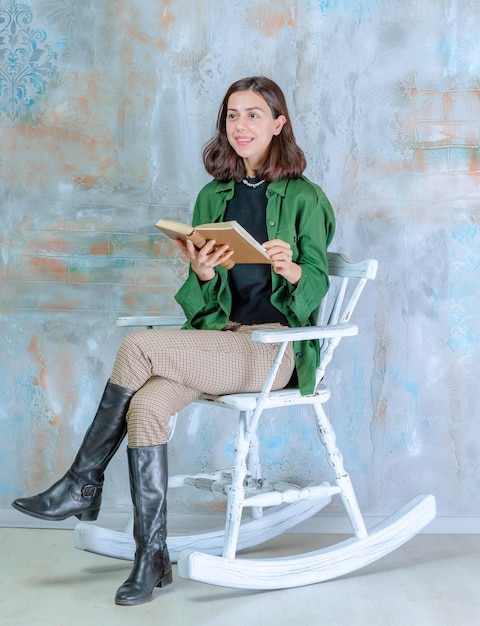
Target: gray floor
{"type": "Point", "coordinates": [433, 580]}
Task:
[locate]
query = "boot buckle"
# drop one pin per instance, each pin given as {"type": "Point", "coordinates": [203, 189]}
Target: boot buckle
{"type": "Point", "coordinates": [90, 491]}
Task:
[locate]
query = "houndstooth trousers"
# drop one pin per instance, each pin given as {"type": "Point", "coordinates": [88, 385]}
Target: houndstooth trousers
{"type": "Point", "coordinates": [168, 369]}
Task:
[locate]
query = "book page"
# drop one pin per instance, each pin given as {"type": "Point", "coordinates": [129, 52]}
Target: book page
{"type": "Point", "coordinates": [245, 248]}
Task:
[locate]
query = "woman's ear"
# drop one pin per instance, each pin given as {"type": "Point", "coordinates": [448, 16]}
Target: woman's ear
{"type": "Point", "coordinates": [280, 122]}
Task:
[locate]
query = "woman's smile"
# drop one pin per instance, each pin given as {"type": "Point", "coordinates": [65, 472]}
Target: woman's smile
{"type": "Point", "coordinates": [243, 141]}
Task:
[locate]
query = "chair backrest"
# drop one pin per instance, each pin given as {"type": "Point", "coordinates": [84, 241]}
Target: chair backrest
{"type": "Point", "coordinates": [347, 280]}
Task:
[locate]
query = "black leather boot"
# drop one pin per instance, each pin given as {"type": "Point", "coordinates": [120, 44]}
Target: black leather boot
{"type": "Point", "coordinates": [79, 492]}
{"type": "Point", "coordinates": [148, 485]}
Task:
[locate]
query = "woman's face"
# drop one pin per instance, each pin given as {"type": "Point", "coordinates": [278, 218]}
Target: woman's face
{"type": "Point", "coordinates": [250, 127]}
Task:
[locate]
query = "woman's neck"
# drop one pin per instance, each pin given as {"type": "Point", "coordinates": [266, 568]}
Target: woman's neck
{"type": "Point", "coordinates": [251, 168]}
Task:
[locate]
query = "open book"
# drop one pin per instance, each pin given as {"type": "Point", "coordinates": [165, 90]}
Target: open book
{"type": "Point", "coordinates": [245, 248]}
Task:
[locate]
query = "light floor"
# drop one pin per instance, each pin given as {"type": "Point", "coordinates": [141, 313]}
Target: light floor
{"type": "Point", "coordinates": [433, 580]}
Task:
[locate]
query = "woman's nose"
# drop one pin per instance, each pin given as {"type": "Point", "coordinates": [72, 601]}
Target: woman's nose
{"type": "Point", "coordinates": [241, 122]}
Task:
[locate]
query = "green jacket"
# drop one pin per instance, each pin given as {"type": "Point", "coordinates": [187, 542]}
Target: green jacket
{"type": "Point", "coordinates": [299, 213]}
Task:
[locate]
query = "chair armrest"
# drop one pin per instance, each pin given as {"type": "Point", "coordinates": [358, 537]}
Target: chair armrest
{"type": "Point", "coordinates": [271, 335]}
{"type": "Point", "coordinates": [151, 320]}
{"type": "Point", "coordinates": [307, 332]}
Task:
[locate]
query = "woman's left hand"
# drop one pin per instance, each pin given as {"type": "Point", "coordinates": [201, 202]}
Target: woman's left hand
{"type": "Point", "coordinates": [280, 254]}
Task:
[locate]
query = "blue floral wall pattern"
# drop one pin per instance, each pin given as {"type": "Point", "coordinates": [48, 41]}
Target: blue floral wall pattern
{"type": "Point", "coordinates": [27, 62]}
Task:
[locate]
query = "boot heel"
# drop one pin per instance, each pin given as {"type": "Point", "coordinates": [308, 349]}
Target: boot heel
{"type": "Point", "coordinates": [166, 580]}
{"type": "Point", "coordinates": [88, 516]}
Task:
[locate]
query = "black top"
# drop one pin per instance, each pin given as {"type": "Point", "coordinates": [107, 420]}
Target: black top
{"type": "Point", "coordinates": [251, 283]}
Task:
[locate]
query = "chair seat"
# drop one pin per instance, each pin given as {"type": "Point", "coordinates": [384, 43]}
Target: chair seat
{"type": "Point", "coordinates": [280, 398]}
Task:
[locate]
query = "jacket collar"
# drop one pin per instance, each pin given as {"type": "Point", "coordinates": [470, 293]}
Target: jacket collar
{"type": "Point", "coordinates": [279, 186]}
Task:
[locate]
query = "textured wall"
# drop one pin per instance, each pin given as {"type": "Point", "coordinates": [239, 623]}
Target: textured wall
{"type": "Point", "coordinates": [104, 108]}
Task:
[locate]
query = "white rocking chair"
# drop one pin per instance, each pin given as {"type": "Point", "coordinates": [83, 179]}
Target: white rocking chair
{"type": "Point", "coordinates": [210, 556]}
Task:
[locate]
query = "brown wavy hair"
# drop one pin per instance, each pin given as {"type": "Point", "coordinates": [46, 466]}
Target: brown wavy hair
{"type": "Point", "coordinates": [285, 158]}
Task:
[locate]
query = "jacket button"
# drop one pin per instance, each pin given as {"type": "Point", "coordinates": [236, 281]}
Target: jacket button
{"type": "Point", "coordinates": [270, 192]}
{"type": "Point", "coordinates": [299, 355]}
{"type": "Point", "coordinates": [271, 223]}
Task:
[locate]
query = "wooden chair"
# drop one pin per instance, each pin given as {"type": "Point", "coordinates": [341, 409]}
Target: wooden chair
{"type": "Point", "coordinates": [274, 508]}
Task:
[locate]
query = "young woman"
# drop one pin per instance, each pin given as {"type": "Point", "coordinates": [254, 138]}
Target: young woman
{"type": "Point", "coordinates": [257, 170]}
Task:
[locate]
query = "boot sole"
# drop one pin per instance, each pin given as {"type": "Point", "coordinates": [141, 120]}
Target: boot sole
{"type": "Point", "coordinates": [164, 582]}
{"type": "Point", "coordinates": [85, 516]}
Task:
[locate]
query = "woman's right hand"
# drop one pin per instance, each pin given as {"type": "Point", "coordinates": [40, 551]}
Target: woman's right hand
{"type": "Point", "coordinates": [205, 260]}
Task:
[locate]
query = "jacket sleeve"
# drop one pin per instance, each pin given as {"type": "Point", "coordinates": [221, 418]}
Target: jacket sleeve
{"type": "Point", "coordinates": [206, 305]}
{"type": "Point", "coordinates": [309, 235]}
{"type": "Point", "coordinates": [314, 229]}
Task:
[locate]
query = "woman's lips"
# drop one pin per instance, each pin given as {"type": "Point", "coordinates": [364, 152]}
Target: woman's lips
{"type": "Point", "coordinates": [243, 141]}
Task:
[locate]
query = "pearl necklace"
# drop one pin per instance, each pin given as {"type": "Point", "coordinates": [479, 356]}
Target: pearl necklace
{"type": "Point", "coordinates": [252, 185]}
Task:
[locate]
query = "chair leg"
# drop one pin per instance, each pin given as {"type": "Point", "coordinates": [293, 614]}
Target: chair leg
{"type": "Point", "coordinates": [342, 478]}
{"type": "Point", "coordinates": [236, 493]}
{"type": "Point", "coordinates": [254, 467]}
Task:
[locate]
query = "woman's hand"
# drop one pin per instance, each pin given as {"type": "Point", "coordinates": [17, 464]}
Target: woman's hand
{"type": "Point", "coordinates": [205, 260]}
{"type": "Point", "coordinates": [280, 254]}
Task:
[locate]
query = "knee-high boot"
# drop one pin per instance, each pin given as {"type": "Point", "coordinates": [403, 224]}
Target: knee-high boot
{"type": "Point", "coordinates": [79, 491]}
{"type": "Point", "coordinates": [148, 483]}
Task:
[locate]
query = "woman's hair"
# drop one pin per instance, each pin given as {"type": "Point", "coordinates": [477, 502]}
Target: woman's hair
{"type": "Point", "coordinates": [285, 158]}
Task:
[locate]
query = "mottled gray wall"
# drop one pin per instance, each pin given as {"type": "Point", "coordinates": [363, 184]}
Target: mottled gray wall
{"type": "Point", "coordinates": [104, 108]}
